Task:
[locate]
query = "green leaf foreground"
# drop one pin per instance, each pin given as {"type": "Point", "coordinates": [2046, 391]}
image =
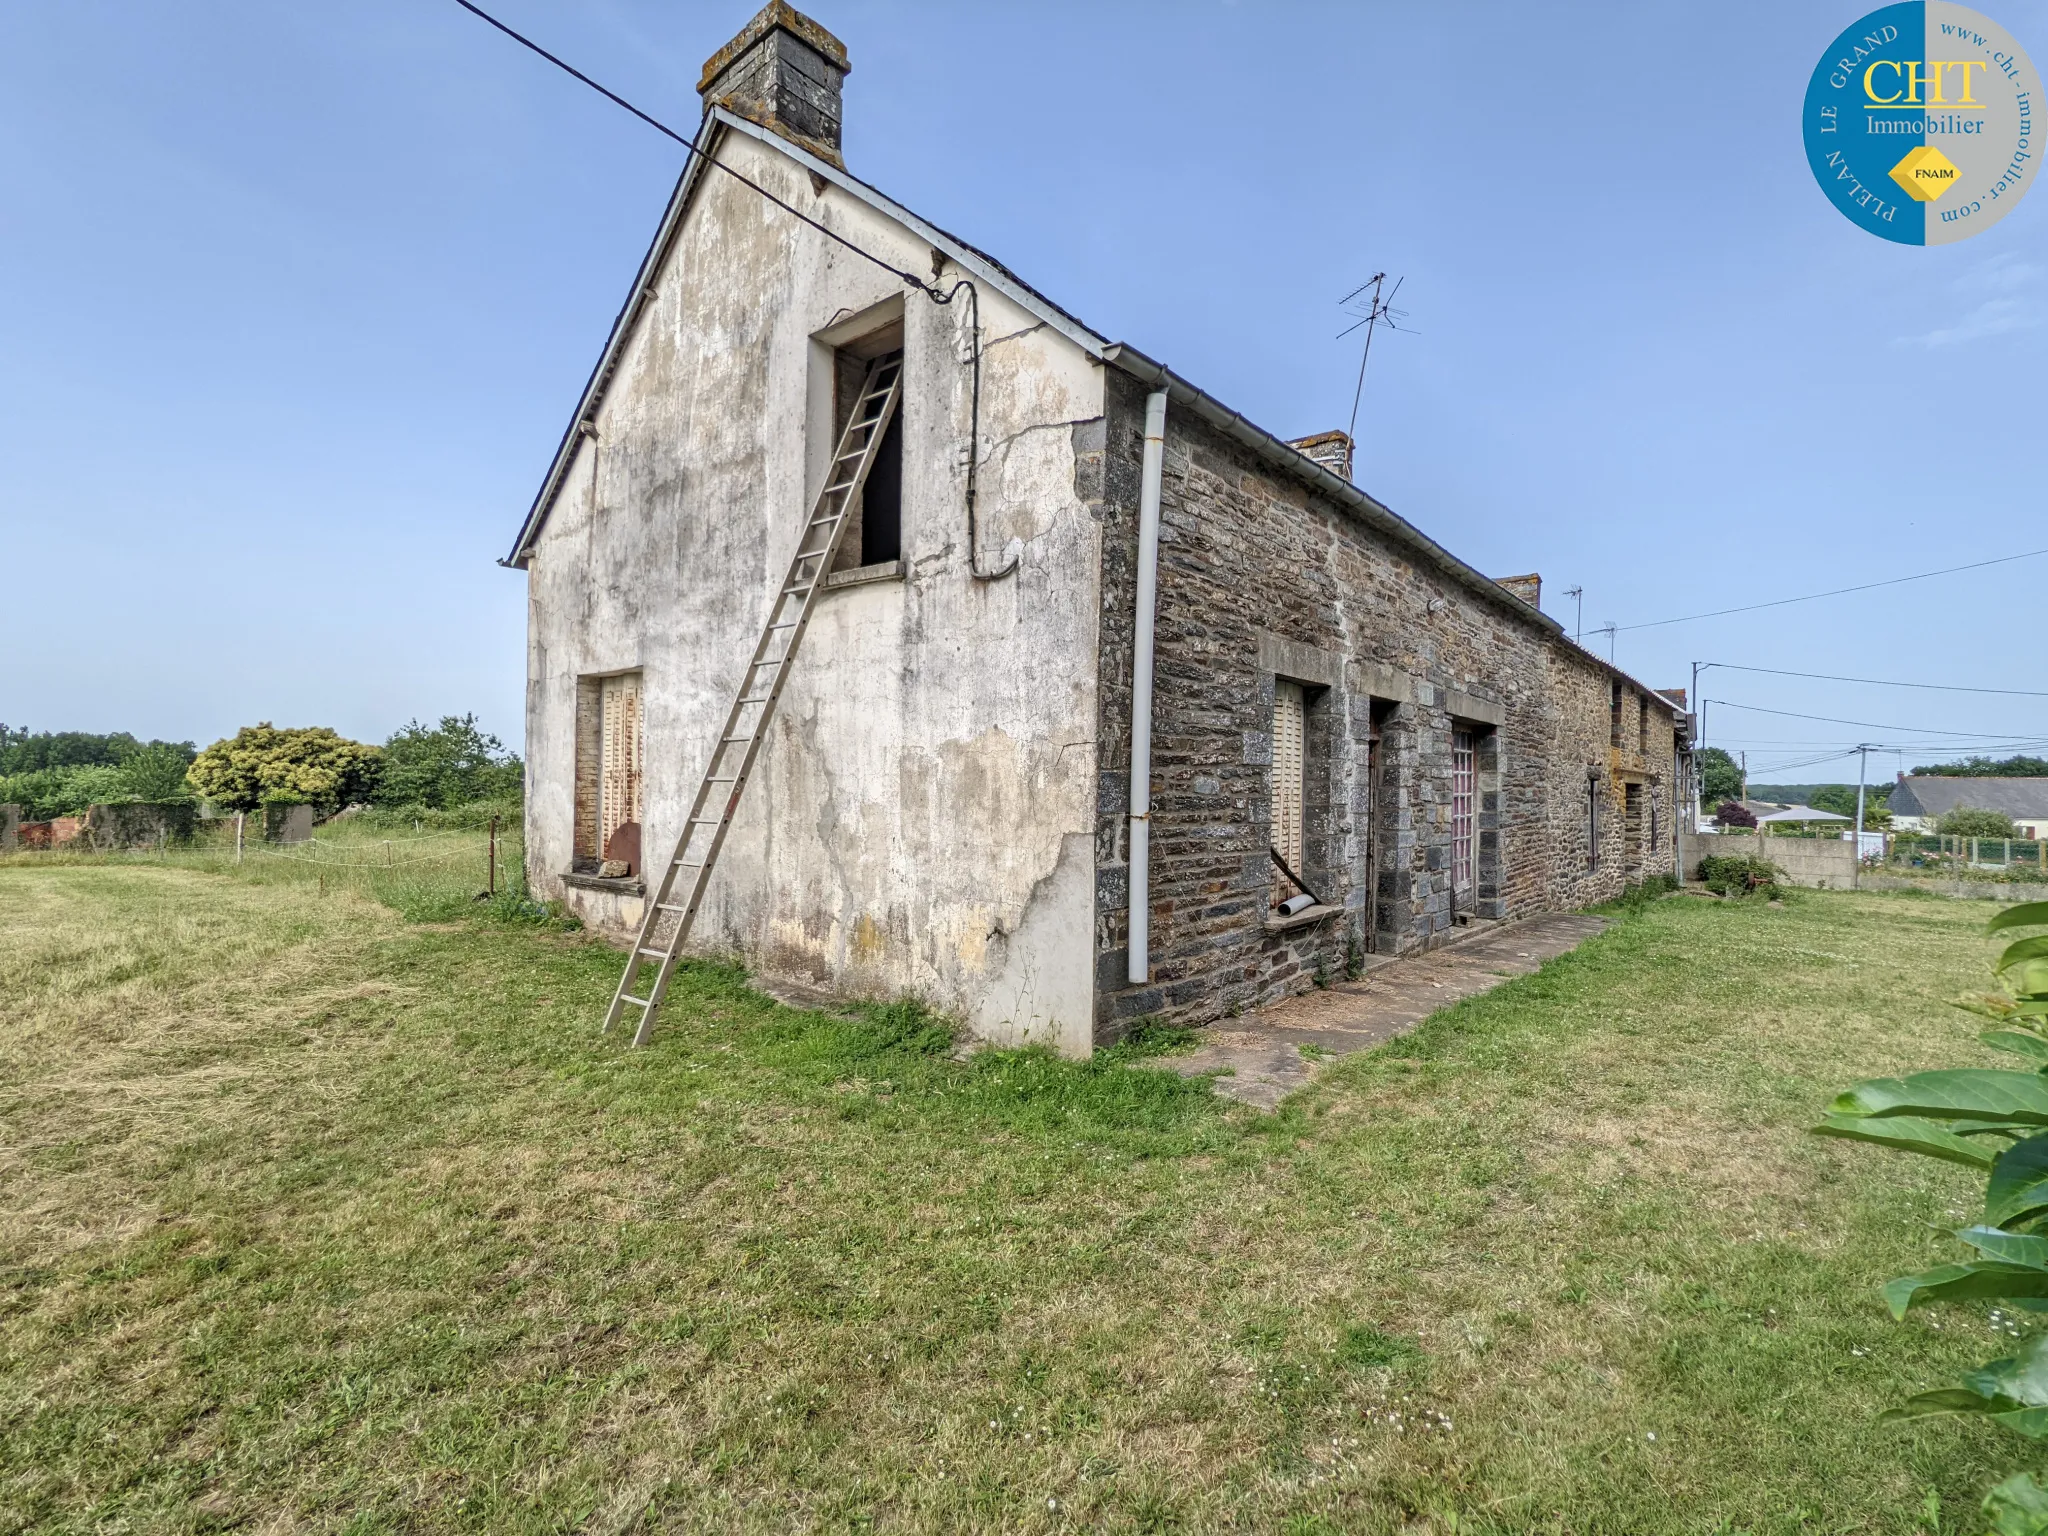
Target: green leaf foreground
{"type": "Point", "coordinates": [2028, 914]}
{"type": "Point", "coordinates": [2010, 1247]}
{"type": "Point", "coordinates": [2018, 1190]}
{"type": "Point", "coordinates": [2019, 1042]}
{"type": "Point", "coordinates": [1962, 1094]}
{"type": "Point", "coordinates": [2035, 948]}
{"type": "Point", "coordinates": [1937, 1114]}
{"type": "Point", "coordinates": [2017, 1507]}
{"type": "Point", "coordinates": [1908, 1135]}
{"type": "Point", "coordinates": [1988, 1281]}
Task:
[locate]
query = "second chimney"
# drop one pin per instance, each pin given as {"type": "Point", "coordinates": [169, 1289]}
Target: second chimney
{"type": "Point", "coordinates": [1332, 450]}
{"type": "Point", "coordinates": [783, 71]}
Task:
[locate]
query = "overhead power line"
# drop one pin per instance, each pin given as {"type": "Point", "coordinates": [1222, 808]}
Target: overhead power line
{"type": "Point", "coordinates": [1868, 586]}
{"type": "Point", "coordinates": [1873, 725]}
{"type": "Point", "coordinates": [691, 145]}
{"type": "Point", "coordinates": [1880, 682]}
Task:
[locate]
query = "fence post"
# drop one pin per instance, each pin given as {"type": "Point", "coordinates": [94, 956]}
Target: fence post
{"type": "Point", "coordinates": [494, 858]}
{"type": "Point", "coordinates": [238, 836]}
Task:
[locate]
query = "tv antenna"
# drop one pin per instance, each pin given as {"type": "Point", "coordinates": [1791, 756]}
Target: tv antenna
{"type": "Point", "coordinates": [1371, 304]}
{"type": "Point", "coordinates": [1578, 597]}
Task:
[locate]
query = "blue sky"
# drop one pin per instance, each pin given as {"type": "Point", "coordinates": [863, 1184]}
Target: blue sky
{"type": "Point", "coordinates": [295, 301]}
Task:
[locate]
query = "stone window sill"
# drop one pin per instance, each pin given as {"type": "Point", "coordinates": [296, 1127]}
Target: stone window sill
{"type": "Point", "coordinates": [887, 570]}
{"type": "Point", "coordinates": [627, 887]}
{"type": "Point", "coordinates": [1277, 922]}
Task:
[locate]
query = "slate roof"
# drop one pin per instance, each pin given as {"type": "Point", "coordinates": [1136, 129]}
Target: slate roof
{"type": "Point", "coordinates": [1932, 795]}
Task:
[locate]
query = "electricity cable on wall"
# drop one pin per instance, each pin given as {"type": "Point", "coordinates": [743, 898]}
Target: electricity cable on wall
{"type": "Point", "coordinates": [929, 290]}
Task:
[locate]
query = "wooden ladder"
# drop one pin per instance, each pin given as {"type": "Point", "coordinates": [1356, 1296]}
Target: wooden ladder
{"type": "Point", "coordinates": [666, 926]}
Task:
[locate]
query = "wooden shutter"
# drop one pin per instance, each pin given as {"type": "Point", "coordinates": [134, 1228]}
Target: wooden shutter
{"type": "Point", "coordinates": [1289, 723]}
{"type": "Point", "coordinates": [620, 794]}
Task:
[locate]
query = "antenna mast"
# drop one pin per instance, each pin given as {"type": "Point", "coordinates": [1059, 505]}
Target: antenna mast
{"type": "Point", "coordinates": [1373, 305]}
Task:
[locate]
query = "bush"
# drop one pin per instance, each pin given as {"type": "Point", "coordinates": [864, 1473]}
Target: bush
{"type": "Point", "coordinates": [262, 765]}
{"type": "Point", "coordinates": [67, 791]}
{"type": "Point", "coordinates": [1733, 813]}
{"type": "Point", "coordinates": [448, 765]}
{"type": "Point", "coordinates": [1966, 822]}
{"type": "Point", "coordinates": [1741, 875]}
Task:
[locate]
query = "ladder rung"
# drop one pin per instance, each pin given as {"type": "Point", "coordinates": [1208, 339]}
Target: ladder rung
{"type": "Point", "coordinates": [671, 906]}
{"type": "Point", "coordinates": [659, 954]}
{"type": "Point", "coordinates": [786, 624]}
{"type": "Point", "coordinates": [705, 821]}
{"type": "Point", "coordinates": [726, 741]}
{"type": "Point", "coordinates": [644, 1002]}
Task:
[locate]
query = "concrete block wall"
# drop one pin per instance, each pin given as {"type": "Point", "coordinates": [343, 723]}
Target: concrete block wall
{"type": "Point", "coordinates": [1817, 863]}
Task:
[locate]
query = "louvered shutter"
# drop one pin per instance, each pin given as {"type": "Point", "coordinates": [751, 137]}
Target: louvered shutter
{"type": "Point", "coordinates": [1289, 729]}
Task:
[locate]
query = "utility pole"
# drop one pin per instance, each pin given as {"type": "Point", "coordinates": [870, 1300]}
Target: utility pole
{"type": "Point", "coordinates": [1856, 836]}
{"type": "Point", "coordinates": [1745, 774]}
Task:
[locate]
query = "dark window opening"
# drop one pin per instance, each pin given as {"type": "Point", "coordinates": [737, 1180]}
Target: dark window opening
{"type": "Point", "coordinates": [1614, 714]}
{"type": "Point", "coordinates": [874, 525]}
{"type": "Point", "coordinates": [881, 502]}
{"type": "Point", "coordinates": [1643, 724]}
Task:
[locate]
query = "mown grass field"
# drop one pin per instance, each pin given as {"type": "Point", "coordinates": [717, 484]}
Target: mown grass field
{"type": "Point", "coordinates": [316, 1218]}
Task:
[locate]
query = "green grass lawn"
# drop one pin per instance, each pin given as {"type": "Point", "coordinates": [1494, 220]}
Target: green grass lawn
{"type": "Point", "coordinates": [314, 1218]}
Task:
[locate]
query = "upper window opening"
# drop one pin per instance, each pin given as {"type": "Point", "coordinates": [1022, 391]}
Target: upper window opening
{"type": "Point", "coordinates": [874, 533]}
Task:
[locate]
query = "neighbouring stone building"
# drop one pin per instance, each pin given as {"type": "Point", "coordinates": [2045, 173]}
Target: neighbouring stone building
{"type": "Point", "coordinates": [1357, 743]}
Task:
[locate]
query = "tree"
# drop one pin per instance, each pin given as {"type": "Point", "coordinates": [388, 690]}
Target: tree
{"type": "Point", "coordinates": [1733, 813]}
{"type": "Point", "coordinates": [1720, 776]}
{"type": "Point", "coordinates": [1966, 822]}
{"type": "Point", "coordinates": [306, 765]}
{"type": "Point", "coordinates": [26, 751]}
{"type": "Point", "coordinates": [451, 764]}
{"type": "Point", "coordinates": [157, 773]}
{"type": "Point", "coordinates": [1989, 768]}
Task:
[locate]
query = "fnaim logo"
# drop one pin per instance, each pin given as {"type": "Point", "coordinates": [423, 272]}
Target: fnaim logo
{"type": "Point", "coordinates": [1922, 123]}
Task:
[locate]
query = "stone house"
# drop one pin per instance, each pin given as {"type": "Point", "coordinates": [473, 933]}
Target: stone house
{"type": "Point", "coordinates": [1067, 556]}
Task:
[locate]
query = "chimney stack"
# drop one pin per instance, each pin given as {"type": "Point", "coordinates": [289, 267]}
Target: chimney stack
{"type": "Point", "coordinates": [1332, 450]}
{"type": "Point", "coordinates": [783, 71]}
{"type": "Point", "coordinates": [1530, 590]}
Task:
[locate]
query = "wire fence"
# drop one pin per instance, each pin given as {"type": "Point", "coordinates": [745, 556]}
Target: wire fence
{"type": "Point", "coordinates": [423, 873]}
{"type": "Point", "coordinates": [1911, 850]}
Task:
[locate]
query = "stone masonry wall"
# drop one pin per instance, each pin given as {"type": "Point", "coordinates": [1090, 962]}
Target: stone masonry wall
{"type": "Point", "coordinates": [1259, 580]}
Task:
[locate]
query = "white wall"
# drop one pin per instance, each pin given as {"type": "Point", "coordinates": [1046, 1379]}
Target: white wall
{"type": "Point", "coordinates": [920, 820]}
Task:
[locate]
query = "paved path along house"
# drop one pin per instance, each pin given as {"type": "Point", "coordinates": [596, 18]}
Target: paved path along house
{"type": "Point", "coordinates": [1260, 1055]}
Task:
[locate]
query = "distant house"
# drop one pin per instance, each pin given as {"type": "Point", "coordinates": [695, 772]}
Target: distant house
{"type": "Point", "coordinates": [1922, 800]}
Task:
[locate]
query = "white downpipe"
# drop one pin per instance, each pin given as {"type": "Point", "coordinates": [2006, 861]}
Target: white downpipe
{"type": "Point", "coordinates": [1141, 690]}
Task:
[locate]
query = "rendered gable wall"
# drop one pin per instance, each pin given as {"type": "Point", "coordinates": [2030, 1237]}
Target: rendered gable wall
{"type": "Point", "coordinates": [921, 821]}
